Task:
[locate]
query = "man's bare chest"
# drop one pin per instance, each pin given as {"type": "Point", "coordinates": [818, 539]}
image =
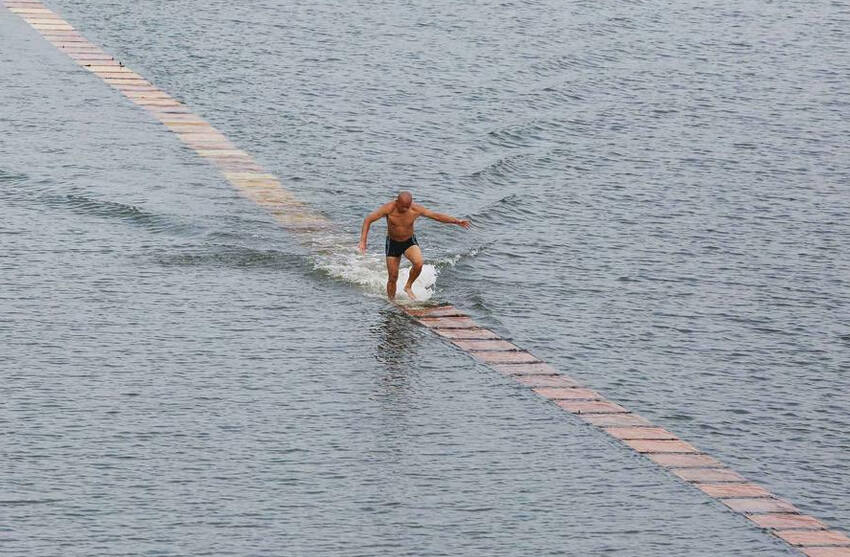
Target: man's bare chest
{"type": "Point", "coordinates": [401, 221]}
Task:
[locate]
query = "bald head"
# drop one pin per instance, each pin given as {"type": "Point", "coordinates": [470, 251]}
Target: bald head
{"type": "Point", "coordinates": [403, 201]}
{"type": "Point", "coordinates": [404, 198]}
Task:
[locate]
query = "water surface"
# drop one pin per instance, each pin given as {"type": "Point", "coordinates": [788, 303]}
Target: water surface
{"type": "Point", "coordinates": [660, 207]}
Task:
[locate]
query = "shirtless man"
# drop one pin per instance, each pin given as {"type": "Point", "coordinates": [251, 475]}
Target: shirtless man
{"type": "Point", "coordinates": [401, 238]}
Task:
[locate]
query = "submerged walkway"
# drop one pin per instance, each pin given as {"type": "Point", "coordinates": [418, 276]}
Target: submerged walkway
{"type": "Point", "coordinates": [767, 511]}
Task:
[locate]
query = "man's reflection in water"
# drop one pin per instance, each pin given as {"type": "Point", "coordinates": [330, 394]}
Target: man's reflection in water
{"type": "Point", "coordinates": [398, 342]}
{"type": "Point", "coordinates": [392, 444]}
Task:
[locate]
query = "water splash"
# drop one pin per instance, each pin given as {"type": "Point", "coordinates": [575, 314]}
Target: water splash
{"type": "Point", "coordinates": [370, 273]}
{"type": "Point", "coordinates": [337, 257]}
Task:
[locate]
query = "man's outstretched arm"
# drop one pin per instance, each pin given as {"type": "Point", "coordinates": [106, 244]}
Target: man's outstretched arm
{"type": "Point", "coordinates": [381, 211]}
{"type": "Point", "coordinates": [440, 217]}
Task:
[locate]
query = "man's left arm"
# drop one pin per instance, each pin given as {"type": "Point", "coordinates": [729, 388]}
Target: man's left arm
{"type": "Point", "coordinates": [441, 217]}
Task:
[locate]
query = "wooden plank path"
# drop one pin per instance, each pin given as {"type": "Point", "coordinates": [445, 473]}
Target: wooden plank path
{"type": "Point", "coordinates": [805, 533]}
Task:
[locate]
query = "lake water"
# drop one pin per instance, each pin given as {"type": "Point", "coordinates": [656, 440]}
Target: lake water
{"type": "Point", "coordinates": [660, 195]}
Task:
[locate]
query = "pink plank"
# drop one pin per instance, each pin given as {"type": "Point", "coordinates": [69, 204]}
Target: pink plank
{"type": "Point", "coordinates": [607, 420]}
{"type": "Point", "coordinates": [567, 393]}
{"type": "Point", "coordinates": [591, 407]}
{"type": "Point", "coordinates": [708, 475]}
{"type": "Point", "coordinates": [466, 333]}
{"type": "Point", "coordinates": [545, 380]}
{"type": "Point", "coordinates": [142, 95]}
{"type": "Point", "coordinates": [184, 126]}
{"type": "Point", "coordinates": [662, 446]}
{"type": "Point", "coordinates": [234, 167]}
{"type": "Point", "coordinates": [504, 357]}
{"type": "Point", "coordinates": [537, 368]}
{"type": "Point", "coordinates": [684, 460]}
{"type": "Point", "coordinates": [182, 120]}
{"type": "Point", "coordinates": [91, 58]}
{"type": "Point", "coordinates": [202, 145]}
{"type": "Point", "coordinates": [826, 551]}
{"type": "Point", "coordinates": [207, 146]}
{"type": "Point", "coordinates": [70, 49]}
{"type": "Point", "coordinates": [109, 69]}
{"type": "Point", "coordinates": [437, 311]}
{"type": "Point", "coordinates": [115, 75]}
{"type": "Point", "coordinates": [787, 521]}
{"type": "Point", "coordinates": [100, 64]}
{"type": "Point", "coordinates": [156, 98]}
{"type": "Point", "coordinates": [813, 537]}
{"type": "Point", "coordinates": [639, 433]}
{"type": "Point", "coordinates": [136, 88]}
{"type": "Point", "coordinates": [203, 136]}
{"type": "Point", "coordinates": [760, 505]}
{"type": "Point", "coordinates": [95, 57]}
{"type": "Point", "coordinates": [488, 345]}
{"type": "Point", "coordinates": [733, 490]}
{"type": "Point", "coordinates": [165, 110]}
{"type": "Point", "coordinates": [448, 322]}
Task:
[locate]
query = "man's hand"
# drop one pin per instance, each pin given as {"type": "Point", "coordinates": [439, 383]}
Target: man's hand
{"type": "Point", "coordinates": [463, 223]}
{"type": "Point", "coordinates": [362, 248]}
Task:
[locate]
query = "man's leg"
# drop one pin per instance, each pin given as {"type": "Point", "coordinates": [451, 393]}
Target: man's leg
{"type": "Point", "coordinates": [392, 275]}
{"type": "Point", "coordinates": [414, 254]}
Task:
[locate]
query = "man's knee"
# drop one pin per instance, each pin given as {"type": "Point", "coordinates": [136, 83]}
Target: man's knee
{"type": "Point", "coordinates": [392, 277]}
{"type": "Point", "coordinates": [417, 265]}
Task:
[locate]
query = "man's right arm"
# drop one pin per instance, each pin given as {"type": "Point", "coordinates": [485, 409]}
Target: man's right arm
{"type": "Point", "coordinates": [381, 211]}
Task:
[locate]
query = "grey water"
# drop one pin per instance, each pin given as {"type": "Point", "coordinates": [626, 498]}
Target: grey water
{"type": "Point", "coordinates": [659, 192]}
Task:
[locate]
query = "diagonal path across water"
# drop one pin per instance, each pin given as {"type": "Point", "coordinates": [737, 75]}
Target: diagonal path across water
{"type": "Point", "coordinates": [809, 535]}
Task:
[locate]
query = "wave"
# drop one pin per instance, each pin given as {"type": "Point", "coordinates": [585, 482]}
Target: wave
{"type": "Point", "coordinates": [222, 255]}
{"type": "Point", "coordinates": [511, 206]}
{"type": "Point", "coordinates": [9, 176]}
{"type": "Point", "coordinates": [153, 222]}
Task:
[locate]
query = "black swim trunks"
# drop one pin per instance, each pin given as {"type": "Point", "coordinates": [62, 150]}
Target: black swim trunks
{"type": "Point", "coordinates": [395, 249]}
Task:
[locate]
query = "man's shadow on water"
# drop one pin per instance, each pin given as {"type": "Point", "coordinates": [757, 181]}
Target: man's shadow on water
{"type": "Point", "coordinates": [398, 345]}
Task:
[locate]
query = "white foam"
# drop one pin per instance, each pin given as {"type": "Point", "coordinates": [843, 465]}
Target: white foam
{"type": "Point", "coordinates": [370, 272]}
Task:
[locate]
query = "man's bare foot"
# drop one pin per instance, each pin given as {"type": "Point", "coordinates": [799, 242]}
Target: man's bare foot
{"type": "Point", "coordinates": [409, 291]}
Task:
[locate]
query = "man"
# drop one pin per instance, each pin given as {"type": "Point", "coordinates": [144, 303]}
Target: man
{"type": "Point", "coordinates": [401, 239]}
